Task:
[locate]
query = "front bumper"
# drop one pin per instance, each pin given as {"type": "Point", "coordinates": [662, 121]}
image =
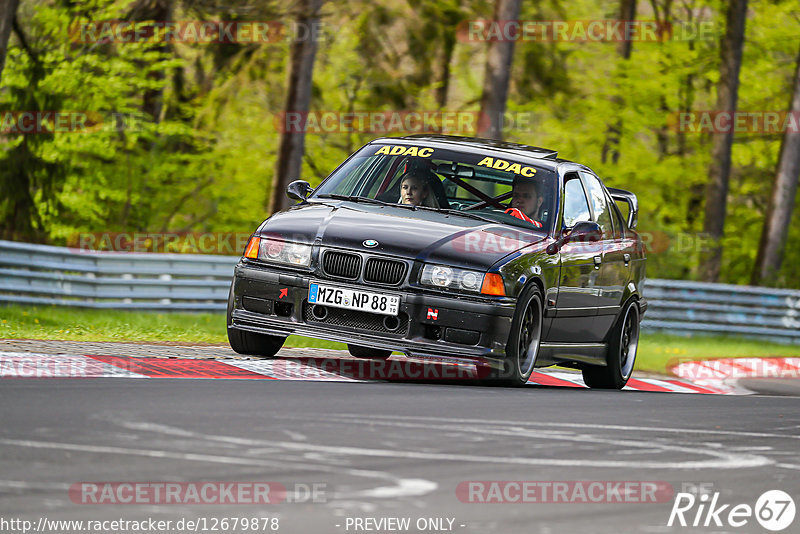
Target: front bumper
{"type": "Point", "coordinates": [458, 328]}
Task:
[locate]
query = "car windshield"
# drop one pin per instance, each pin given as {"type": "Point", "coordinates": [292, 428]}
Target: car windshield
{"type": "Point", "coordinates": [495, 187]}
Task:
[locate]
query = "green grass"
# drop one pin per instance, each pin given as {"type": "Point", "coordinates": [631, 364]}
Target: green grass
{"type": "Point", "coordinates": [656, 351]}
{"type": "Point", "coordinates": [78, 324]}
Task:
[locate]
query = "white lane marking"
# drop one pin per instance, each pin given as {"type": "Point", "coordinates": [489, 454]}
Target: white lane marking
{"type": "Point", "coordinates": [297, 436]}
{"type": "Point", "coordinates": [723, 459]}
{"type": "Point", "coordinates": [788, 466]}
{"type": "Point", "coordinates": [537, 424]}
{"type": "Point", "coordinates": [403, 487]}
{"type": "Point", "coordinates": [20, 484]}
{"type": "Point", "coordinates": [108, 449]}
{"type": "Point", "coordinates": [407, 486]}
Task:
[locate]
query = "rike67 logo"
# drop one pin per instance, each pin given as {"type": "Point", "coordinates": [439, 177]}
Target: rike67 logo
{"type": "Point", "coordinates": [774, 510]}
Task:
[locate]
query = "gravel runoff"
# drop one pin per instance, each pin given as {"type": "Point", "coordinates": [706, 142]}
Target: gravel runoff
{"type": "Point", "coordinates": [166, 350]}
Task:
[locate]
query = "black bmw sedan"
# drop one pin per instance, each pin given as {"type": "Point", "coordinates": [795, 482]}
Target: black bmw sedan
{"type": "Point", "coordinates": [463, 249]}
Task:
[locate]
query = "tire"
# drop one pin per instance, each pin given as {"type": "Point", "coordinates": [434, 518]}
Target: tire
{"type": "Point", "coordinates": [622, 348]}
{"type": "Point", "coordinates": [522, 348]}
{"type": "Point", "coordinates": [366, 352]}
{"type": "Point", "coordinates": [251, 343]}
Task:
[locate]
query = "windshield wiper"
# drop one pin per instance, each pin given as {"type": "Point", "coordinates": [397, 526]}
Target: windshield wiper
{"type": "Point", "coordinates": [469, 215]}
{"type": "Point", "coordinates": [356, 198]}
{"type": "Point", "coordinates": [353, 198]}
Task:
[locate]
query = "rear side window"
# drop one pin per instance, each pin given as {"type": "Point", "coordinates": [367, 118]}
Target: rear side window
{"type": "Point", "coordinates": [599, 204]}
{"type": "Point", "coordinates": [619, 222]}
{"type": "Point", "coordinates": [576, 208]}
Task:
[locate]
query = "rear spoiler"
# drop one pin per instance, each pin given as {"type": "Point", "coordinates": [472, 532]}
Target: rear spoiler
{"type": "Point", "coordinates": [621, 195]}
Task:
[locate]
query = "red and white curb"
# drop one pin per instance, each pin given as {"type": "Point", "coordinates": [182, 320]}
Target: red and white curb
{"type": "Point", "coordinates": [337, 369]}
{"type": "Point", "coordinates": [723, 374]}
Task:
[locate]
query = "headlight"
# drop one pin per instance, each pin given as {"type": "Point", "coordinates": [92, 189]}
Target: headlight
{"type": "Point", "coordinates": [451, 278]}
{"type": "Point", "coordinates": [278, 251]}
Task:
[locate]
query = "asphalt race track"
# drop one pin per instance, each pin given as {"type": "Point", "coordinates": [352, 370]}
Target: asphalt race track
{"type": "Point", "coordinates": [379, 453]}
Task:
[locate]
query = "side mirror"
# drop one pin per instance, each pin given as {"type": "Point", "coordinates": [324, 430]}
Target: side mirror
{"type": "Point", "coordinates": [582, 231]}
{"type": "Point", "coordinates": [298, 190]}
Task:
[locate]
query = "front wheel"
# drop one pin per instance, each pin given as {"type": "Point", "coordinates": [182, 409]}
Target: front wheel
{"type": "Point", "coordinates": [251, 343]}
{"type": "Point", "coordinates": [622, 347]}
{"type": "Point", "coordinates": [523, 342]}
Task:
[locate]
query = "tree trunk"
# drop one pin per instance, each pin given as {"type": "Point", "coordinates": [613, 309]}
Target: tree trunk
{"type": "Point", "coordinates": [781, 204]}
{"type": "Point", "coordinates": [627, 11]}
{"type": "Point", "coordinates": [720, 168]}
{"type": "Point", "coordinates": [298, 100]}
{"type": "Point", "coordinates": [497, 74]}
{"type": "Point", "coordinates": [8, 10]}
{"type": "Point", "coordinates": [447, 57]}
{"type": "Point", "coordinates": [159, 11]}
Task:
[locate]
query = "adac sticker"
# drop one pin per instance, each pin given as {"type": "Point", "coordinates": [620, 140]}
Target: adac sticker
{"type": "Point", "coordinates": [399, 150]}
{"type": "Point", "coordinates": [503, 165]}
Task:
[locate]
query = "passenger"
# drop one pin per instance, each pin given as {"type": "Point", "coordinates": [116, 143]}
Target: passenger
{"type": "Point", "coordinates": [415, 188]}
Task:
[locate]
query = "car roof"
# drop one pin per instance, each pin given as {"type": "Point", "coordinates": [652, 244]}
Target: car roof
{"type": "Point", "coordinates": [543, 157]}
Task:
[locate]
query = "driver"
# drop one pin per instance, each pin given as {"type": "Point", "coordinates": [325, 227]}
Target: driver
{"type": "Point", "coordinates": [526, 201]}
{"type": "Point", "coordinates": [527, 198]}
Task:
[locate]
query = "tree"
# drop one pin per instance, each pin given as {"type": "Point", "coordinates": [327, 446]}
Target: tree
{"type": "Point", "coordinates": [497, 73]}
{"type": "Point", "coordinates": [781, 204]}
{"type": "Point", "coordinates": [731, 46]}
{"type": "Point", "coordinates": [8, 11]}
{"type": "Point", "coordinates": [298, 100]}
{"type": "Point", "coordinates": [627, 12]}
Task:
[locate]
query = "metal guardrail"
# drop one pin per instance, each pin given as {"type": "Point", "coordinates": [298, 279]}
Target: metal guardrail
{"type": "Point", "coordinates": [39, 274]}
{"type": "Point", "coordinates": [698, 307]}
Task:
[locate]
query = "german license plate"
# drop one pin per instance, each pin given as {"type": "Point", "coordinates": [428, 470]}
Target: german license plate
{"type": "Point", "coordinates": [353, 299]}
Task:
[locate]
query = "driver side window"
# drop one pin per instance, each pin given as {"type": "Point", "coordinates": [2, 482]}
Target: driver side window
{"type": "Point", "coordinates": [576, 207]}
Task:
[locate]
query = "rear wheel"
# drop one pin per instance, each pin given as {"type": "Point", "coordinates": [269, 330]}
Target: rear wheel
{"type": "Point", "coordinates": [622, 347]}
{"type": "Point", "coordinates": [523, 342]}
{"type": "Point", "coordinates": [366, 352]}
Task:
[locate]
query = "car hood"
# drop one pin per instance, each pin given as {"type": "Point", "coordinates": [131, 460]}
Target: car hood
{"type": "Point", "coordinates": [423, 235]}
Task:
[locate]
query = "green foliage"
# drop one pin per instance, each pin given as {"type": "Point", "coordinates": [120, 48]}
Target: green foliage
{"type": "Point", "coordinates": [205, 162]}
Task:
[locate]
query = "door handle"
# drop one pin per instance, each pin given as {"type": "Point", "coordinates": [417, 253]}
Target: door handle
{"type": "Point", "coordinates": [597, 261]}
{"type": "Point", "coordinates": [627, 258]}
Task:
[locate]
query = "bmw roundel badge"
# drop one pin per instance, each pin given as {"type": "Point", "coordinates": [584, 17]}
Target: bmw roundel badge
{"type": "Point", "coordinates": [370, 243]}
